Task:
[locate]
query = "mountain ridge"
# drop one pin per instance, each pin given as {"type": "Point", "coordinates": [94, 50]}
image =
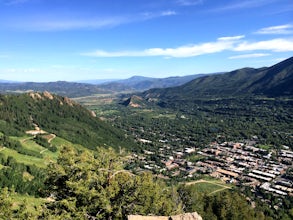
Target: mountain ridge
{"type": "Point", "coordinates": [274, 81]}
{"type": "Point", "coordinates": [86, 88]}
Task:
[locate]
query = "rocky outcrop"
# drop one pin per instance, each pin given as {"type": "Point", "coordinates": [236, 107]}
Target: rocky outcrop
{"type": "Point", "coordinates": [186, 216]}
{"type": "Point", "coordinates": [140, 217]}
{"type": "Point", "coordinates": [135, 102]}
{"type": "Point", "coordinates": [48, 95]}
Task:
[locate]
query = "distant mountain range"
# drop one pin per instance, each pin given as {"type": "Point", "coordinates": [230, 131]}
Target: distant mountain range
{"type": "Point", "coordinates": [274, 81]}
{"type": "Point", "coordinates": [140, 83]}
{"type": "Point", "coordinates": [271, 81]}
{"type": "Point", "coordinates": [63, 88]}
{"type": "Point", "coordinates": [97, 81]}
{"type": "Point", "coordinates": [91, 87]}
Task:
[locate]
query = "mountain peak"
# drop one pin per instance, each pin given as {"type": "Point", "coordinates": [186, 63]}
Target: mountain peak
{"type": "Point", "coordinates": [135, 102]}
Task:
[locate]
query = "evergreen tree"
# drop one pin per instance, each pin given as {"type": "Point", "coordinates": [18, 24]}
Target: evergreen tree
{"type": "Point", "coordinates": [96, 186]}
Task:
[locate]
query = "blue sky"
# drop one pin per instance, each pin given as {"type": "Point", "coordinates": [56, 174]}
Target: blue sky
{"type": "Point", "coordinates": [50, 40]}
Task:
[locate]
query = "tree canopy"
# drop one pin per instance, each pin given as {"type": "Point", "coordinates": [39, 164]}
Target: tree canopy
{"type": "Point", "coordinates": [87, 185]}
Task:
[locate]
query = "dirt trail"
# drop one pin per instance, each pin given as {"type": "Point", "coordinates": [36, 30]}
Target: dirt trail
{"type": "Point", "coordinates": [52, 138]}
{"type": "Point", "coordinates": [224, 187]}
{"type": "Point", "coordinates": [200, 181]}
{"type": "Point", "coordinates": [43, 151]}
{"type": "Point", "coordinates": [26, 139]}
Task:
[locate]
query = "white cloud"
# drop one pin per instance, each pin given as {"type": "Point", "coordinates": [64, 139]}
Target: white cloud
{"type": "Point", "coordinates": [189, 2]}
{"type": "Point", "coordinates": [231, 38]}
{"type": "Point", "coordinates": [280, 59]}
{"type": "Point", "coordinates": [234, 43]}
{"type": "Point", "coordinates": [222, 44]}
{"type": "Point", "coordinates": [281, 29]}
{"type": "Point", "coordinates": [252, 55]}
{"type": "Point", "coordinates": [168, 13]}
{"type": "Point", "coordinates": [152, 15]}
{"type": "Point", "coordinates": [67, 24]}
{"type": "Point", "coordinates": [276, 45]}
{"type": "Point", "coordinates": [244, 4]}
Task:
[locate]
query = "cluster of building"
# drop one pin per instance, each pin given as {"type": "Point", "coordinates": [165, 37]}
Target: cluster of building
{"type": "Point", "coordinates": [238, 163]}
{"type": "Point", "coordinates": [249, 165]}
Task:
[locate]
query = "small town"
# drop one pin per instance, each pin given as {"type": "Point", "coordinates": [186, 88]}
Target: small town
{"type": "Point", "coordinates": [239, 163]}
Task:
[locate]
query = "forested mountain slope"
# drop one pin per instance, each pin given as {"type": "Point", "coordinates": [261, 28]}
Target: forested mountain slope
{"type": "Point", "coordinates": [58, 115]}
{"type": "Point", "coordinates": [273, 81]}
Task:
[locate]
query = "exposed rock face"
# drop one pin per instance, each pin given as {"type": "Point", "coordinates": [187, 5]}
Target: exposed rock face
{"type": "Point", "coordinates": [135, 102]}
{"type": "Point", "coordinates": [140, 217]}
{"type": "Point", "coordinates": [186, 216]}
{"type": "Point", "coordinates": [48, 95]}
{"type": "Point", "coordinates": [68, 101]}
{"type": "Point", "coordinates": [35, 95]}
{"type": "Point", "coordinates": [93, 114]}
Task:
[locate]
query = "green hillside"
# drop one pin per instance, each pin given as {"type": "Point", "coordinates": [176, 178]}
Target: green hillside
{"type": "Point", "coordinates": [34, 127]}
{"type": "Point", "coordinates": [273, 81]}
{"type": "Point", "coordinates": [57, 115]}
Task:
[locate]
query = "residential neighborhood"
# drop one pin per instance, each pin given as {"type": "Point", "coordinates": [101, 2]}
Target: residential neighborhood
{"type": "Point", "coordinates": [241, 163]}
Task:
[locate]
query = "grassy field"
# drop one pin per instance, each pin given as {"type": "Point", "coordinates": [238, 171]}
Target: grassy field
{"type": "Point", "coordinates": [28, 143]}
{"type": "Point", "coordinates": [208, 187]}
{"type": "Point", "coordinates": [95, 100]}
{"type": "Point", "coordinates": [29, 160]}
{"type": "Point", "coordinates": [195, 157]}
{"type": "Point", "coordinates": [154, 114]}
{"type": "Point", "coordinates": [265, 147]}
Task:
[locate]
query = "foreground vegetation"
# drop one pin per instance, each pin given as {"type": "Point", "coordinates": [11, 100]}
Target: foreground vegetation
{"type": "Point", "coordinates": [83, 185]}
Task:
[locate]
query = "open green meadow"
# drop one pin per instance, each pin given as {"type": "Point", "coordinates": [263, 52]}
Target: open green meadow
{"type": "Point", "coordinates": [208, 187]}
{"type": "Point", "coordinates": [27, 142]}
{"type": "Point", "coordinates": [26, 159]}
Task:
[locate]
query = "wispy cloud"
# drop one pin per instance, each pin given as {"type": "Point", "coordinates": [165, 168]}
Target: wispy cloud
{"type": "Point", "coordinates": [231, 38]}
{"type": "Point", "coordinates": [244, 4]}
{"type": "Point", "coordinates": [168, 13]}
{"type": "Point", "coordinates": [67, 24]}
{"type": "Point", "coordinates": [234, 43]}
{"type": "Point", "coordinates": [59, 23]}
{"type": "Point", "coordinates": [280, 29]}
{"type": "Point", "coordinates": [152, 15]}
{"type": "Point", "coordinates": [276, 45]}
{"type": "Point", "coordinates": [189, 2]}
{"type": "Point", "coordinates": [15, 2]}
{"type": "Point", "coordinates": [252, 55]}
{"type": "Point", "coordinates": [222, 44]}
